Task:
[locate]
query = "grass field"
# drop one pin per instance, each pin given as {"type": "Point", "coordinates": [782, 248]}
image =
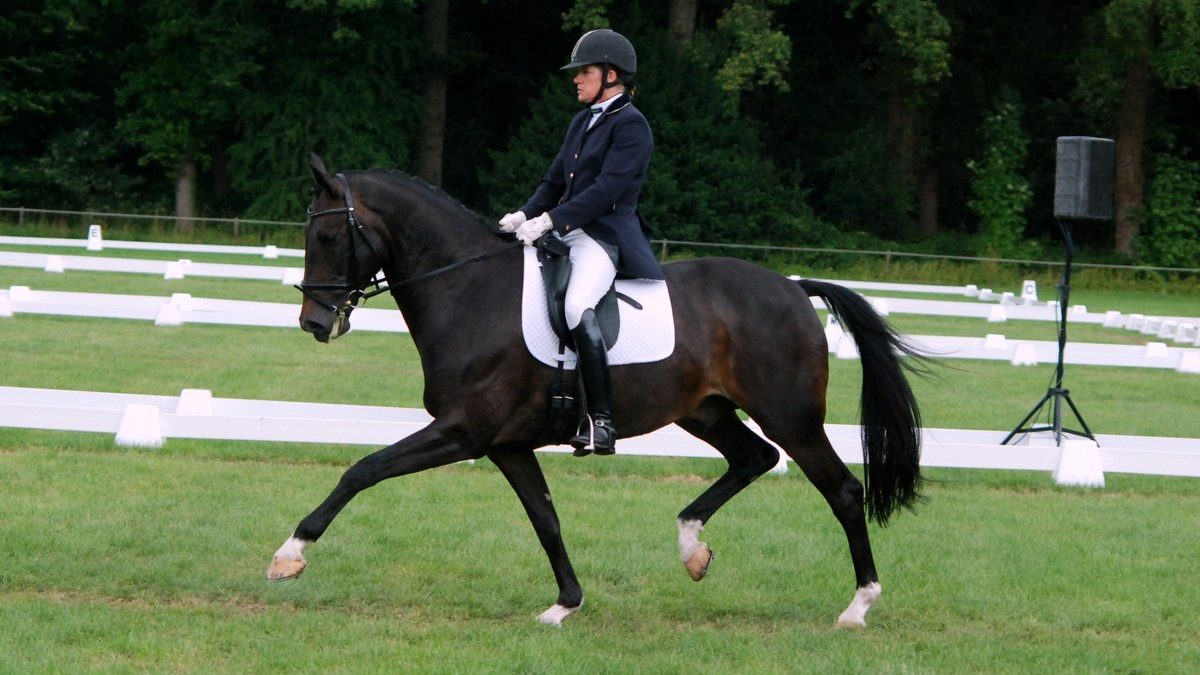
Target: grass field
{"type": "Point", "coordinates": [118, 560]}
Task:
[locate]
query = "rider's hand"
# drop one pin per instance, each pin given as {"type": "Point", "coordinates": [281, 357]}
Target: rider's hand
{"type": "Point", "coordinates": [530, 230]}
{"type": "Point", "coordinates": [511, 221]}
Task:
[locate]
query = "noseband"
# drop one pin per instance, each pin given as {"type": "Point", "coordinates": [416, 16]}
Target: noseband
{"type": "Point", "coordinates": [353, 292]}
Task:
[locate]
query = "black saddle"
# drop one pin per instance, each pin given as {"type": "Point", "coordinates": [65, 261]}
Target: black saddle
{"type": "Point", "coordinates": [555, 258]}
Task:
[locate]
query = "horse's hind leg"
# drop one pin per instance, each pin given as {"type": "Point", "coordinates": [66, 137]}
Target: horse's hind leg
{"type": "Point", "coordinates": [803, 438]}
{"type": "Point", "coordinates": [524, 474]}
{"type": "Point", "coordinates": [435, 445]}
{"type": "Point", "coordinates": [749, 457]}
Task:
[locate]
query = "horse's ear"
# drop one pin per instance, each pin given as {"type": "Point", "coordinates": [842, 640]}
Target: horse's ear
{"type": "Point", "coordinates": [320, 175]}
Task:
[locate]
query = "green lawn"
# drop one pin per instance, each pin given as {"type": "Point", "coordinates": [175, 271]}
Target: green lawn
{"type": "Point", "coordinates": [132, 561]}
{"type": "Point", "coordinates": [123, 560]}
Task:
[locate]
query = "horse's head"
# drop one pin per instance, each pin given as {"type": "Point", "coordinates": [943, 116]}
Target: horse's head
{"type": "Point", "coordinates": [342, 252]}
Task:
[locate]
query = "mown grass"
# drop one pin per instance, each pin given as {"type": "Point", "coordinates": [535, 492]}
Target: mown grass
{"type": "Point", "coordinates": [132, 561]}
{"type": "Point", "coordinates": [126, 560]}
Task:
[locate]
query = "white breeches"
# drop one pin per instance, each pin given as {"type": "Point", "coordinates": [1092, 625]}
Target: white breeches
{"type": "Point", "coordinates": [592, 274]}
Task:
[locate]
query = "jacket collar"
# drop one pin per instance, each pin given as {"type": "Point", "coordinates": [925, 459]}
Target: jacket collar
{"type": "Point", "coordinates": [619, 103]}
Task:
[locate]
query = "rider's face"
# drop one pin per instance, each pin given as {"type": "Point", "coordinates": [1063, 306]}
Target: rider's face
{"type": "Point", "coordinates": [587, 83]}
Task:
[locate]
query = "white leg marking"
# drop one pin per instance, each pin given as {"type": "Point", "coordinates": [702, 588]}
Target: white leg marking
{"type": "Point", "coordinates": [555, 615]}
{"type": "Point", "coordinates": [694, 553]}
{"type": "Point", "coordinates": [689, 538]}
{"type": "Point", "coordinates": [855, 615]}
{"type": "Point", "coordinates": [292, 549]}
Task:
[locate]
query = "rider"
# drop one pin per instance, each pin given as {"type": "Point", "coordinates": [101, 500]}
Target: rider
{"type": "Point", "coordinates": [589, 199]}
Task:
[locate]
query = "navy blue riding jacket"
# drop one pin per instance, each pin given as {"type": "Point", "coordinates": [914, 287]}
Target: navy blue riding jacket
{"type": "Point", "coordinates": [595, 181]}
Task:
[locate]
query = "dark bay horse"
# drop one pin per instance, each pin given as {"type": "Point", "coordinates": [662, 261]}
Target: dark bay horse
{"type": "Point", "coordinates": [746, 338]}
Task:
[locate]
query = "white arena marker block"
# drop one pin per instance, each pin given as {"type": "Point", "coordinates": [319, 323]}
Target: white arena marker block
{"type": "Point", "coordinates": [95, 242]}
{"type": "Point", "coordinates": [140, 427]}
{"type": "Point", "coordinates": [1029, 291]}
{"type": "Point", "coordinates": [1150, 326]}
{"type": "Point", "coordinates": [19, 294]}
{"type": "Point", "coordinates": [1112, 319]}
{"type": "Point", "coordinates": [846, 349]}
{"type": "Point", "coordinates": [996, 342]}
{"type": "Point", "coordinates": [195, 402]}
{"type": "Point", "coordinates": [174, 271]}
{"type": "Point", "coordinates": [270, 252]}
{"type": "Point", "coordinates": [54, 264]}
{"type": "Point", "coordinates": [1078, 310]}
{"type": "Point", "coordinates": [5, 306]}
{"type": "Point", "coordinates": [986, 294]}
{"type": "Point", "coordinates": [880, 305]}
{"type": "Point", "coordinates": [182, 300]}
{"type": "Point", "coordinates": [997, 315]}
{"type": "Point", "coordinates": [1007, 298]}
{"type": "Point", "coordinates": [971, 291]}
{"type": "Point", "coordinates": [1079, 465]}
{"type": "Point", "coordinates": [168, 315]}
{"type": "Point", "coordinates": [1168, 328]}
{"type": "Point", "coordinates": [1134, 321]}
{"type": "Point", "coordinates": [1157, 350]}
{"type": "Point", "coordinates": [1024, 355]}
{"type": "Point", "coordinates": [292, 276]}
{"type": "Point", "coordinates": [1186, 333]}
{"type": "Point", "coordinates": [1189, 363]}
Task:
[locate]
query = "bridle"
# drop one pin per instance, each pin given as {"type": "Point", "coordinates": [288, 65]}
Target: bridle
{"type": "Point", "coordinates": [353, 292]}
{"type": "Point", "coordinates": [382, 285]}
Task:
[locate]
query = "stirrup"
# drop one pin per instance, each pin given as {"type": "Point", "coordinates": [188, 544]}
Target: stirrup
{"type": "Point", "coordinates": [584, 442]}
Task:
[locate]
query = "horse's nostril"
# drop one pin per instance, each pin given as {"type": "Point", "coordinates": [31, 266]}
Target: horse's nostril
{"type": "Point", "coordinates": [310, 326]}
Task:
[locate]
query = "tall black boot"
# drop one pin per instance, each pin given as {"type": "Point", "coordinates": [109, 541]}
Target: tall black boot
{"type": "Point", "coordinates": [596, 433]}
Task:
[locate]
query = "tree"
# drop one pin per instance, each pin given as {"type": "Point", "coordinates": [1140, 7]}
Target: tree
{"type": "Point", "coordinates": [1140, 44]}
{"type": "Point", "coordinates": [433, 116]}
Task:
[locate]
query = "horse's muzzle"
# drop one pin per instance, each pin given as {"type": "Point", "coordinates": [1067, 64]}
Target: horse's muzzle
{"type": "Point", "coordinates": [324, 324]}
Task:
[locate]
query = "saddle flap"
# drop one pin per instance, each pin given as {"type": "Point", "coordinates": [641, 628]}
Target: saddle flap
{"type": "Point", "coordinates": [555, 260]}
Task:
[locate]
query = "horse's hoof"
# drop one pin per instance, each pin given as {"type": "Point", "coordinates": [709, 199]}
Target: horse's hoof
{"type": "Point", "coordinates": [697, 564]}
{"type": "Point", "coordinates": [555, 615]}
{"type": "Point", "coordinates": [851, 623]}
{"type": "Point", "coordinates": [282, 569]}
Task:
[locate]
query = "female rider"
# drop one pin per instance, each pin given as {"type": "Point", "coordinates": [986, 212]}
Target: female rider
{"type": "Point", "coordinates": [589, 199]}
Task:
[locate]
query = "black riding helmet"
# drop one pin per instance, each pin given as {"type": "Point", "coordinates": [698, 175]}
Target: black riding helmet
{"type": "Point", "coordinates": [607, 48]}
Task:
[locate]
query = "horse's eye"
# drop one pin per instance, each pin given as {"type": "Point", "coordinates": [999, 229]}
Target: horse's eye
{"type": "Point", "coordinates": [326, 237]}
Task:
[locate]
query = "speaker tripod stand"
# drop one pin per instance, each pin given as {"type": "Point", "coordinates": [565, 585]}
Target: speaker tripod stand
{"type": "Point", "coordinates": [1056, 394]}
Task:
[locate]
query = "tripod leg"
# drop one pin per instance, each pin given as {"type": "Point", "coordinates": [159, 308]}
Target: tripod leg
{"type": "Point", "coordinates": [1078, 416]}
{"type": "Point", "coordinates": [1021, 425]}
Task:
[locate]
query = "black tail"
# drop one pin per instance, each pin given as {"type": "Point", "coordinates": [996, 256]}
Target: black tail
{"type": "Point", "coordinates": [891, 422]}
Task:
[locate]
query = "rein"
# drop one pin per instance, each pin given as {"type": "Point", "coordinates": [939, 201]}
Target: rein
{"type": "Point", "coordinates": [354, 293]}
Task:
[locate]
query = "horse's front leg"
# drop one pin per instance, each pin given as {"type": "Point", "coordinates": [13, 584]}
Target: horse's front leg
{"type": "Point", "coordinates": [521, 468]}
{"type": "Point", "coordinates": [436, 445]}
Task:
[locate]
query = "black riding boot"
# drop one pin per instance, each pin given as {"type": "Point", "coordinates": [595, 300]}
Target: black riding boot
{"type": "Point", "coordinates": [598, 435]}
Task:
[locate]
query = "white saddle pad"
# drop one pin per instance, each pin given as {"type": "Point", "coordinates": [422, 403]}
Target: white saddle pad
{"type": "Point", "coordinates": [647, 334]}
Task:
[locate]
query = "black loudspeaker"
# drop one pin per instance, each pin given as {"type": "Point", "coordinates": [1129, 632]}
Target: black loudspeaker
{"type": "Point", "coordinates": [1083, 178]}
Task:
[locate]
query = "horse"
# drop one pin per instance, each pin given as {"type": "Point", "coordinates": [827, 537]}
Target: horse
{"type": "Point", "coordinates": [747, 339]}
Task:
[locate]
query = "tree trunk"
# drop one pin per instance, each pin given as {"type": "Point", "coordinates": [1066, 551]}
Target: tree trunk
{"type": "Point", "coordinates": [682, 20]}
{"type": "Point", "coordinates": [1130, 179]}
{"type": "Point", "coordinates": [185, 196]}
{"type": "Point", "coordinates": [433, 119]}
{"type": "Point", "coordinates": [928, 199]}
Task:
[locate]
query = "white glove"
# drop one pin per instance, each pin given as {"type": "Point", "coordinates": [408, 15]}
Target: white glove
{"type": "Point", "coordinates": [530, 230]}
{"type": "Point", "coordinates": [511, 221]}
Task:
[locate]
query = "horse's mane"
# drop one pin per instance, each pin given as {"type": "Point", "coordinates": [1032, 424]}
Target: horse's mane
{"type": "Point", "coordinates": [436, 193]}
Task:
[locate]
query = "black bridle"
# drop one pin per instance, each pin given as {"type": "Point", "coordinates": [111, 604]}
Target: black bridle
{"type": "Point", "coordinates": [382, 285]}
{"type": "Point", "coordinates": [353, 293]}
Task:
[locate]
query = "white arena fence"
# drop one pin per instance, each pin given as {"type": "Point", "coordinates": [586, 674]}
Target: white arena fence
{"type": "Point", "coordinates": [182, 308]}
{"type": "Point", "coordinates": [147, 421]}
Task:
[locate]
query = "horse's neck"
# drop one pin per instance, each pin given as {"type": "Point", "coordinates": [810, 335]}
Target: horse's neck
{"type": "Point", "coordinates": [426, 234]}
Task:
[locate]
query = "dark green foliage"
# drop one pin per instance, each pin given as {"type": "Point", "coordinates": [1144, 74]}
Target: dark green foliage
{"type": "Point", "coordinates": [1173, 214]}
{"type": "Point", "coordinates": [782, 122]}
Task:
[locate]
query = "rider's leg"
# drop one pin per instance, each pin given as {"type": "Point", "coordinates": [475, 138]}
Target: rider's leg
{"type": "Point", "coordinates": [592, 274]}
